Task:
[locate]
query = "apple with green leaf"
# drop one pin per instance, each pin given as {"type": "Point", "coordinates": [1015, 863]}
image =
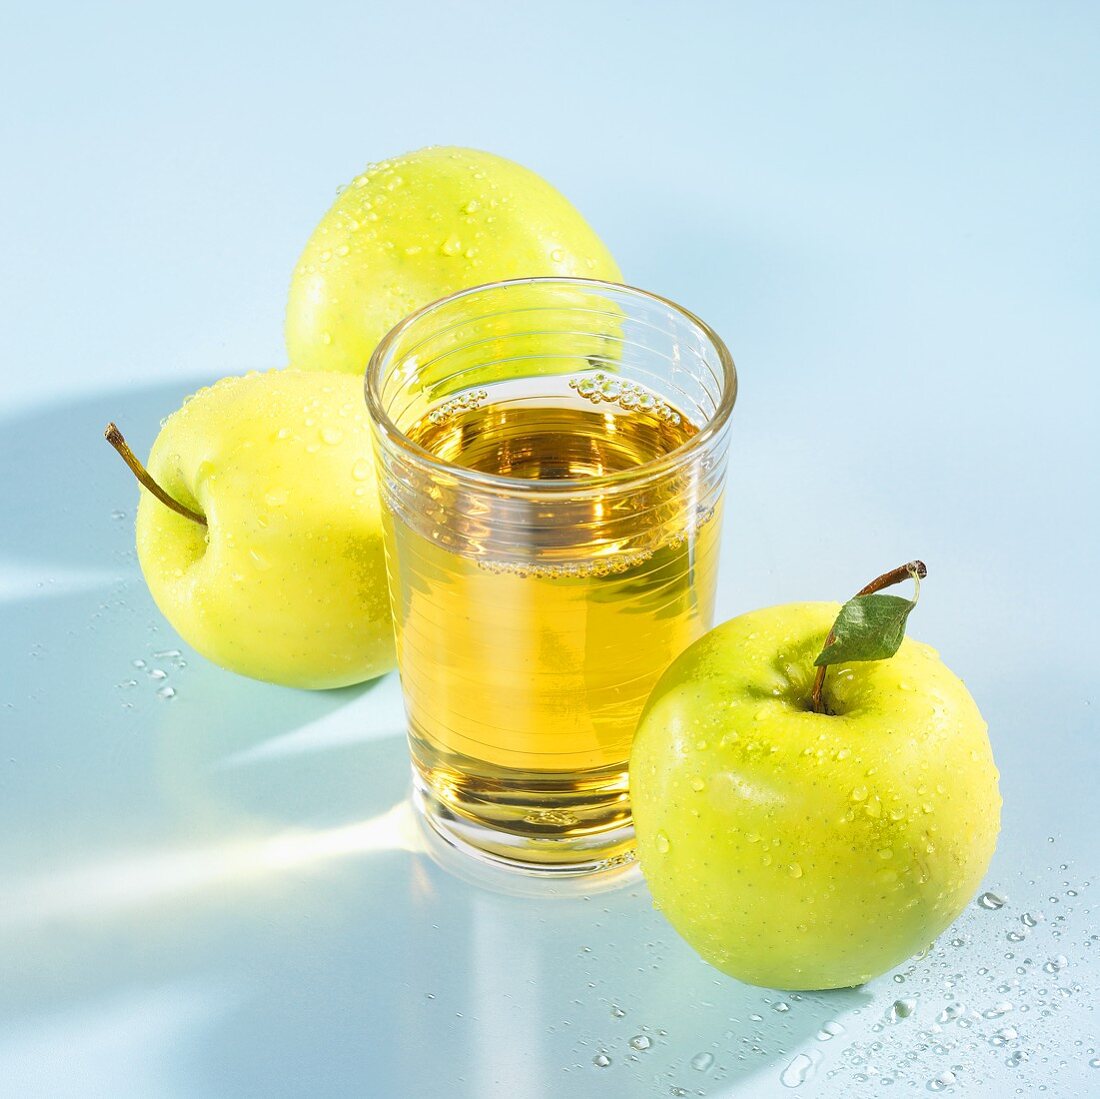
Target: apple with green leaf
{"type": "Point", "coordinates": [815, 796]}
{"type": "Point", "coordinates": [416, 228]}
{"type": "Point", "coordinates": [260, 533]}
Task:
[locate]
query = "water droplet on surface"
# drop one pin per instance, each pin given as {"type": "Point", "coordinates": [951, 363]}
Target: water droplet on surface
{"type": "Point", "coordinates": [641, 1042]}
{"type": "Point", "coordinates": [1016, 936]}
{"type": "Point", "coordinates": [617, 1012]}
{"type": "Point", "coordinates": [1057, 963]}
{"type": "Point", "coordinates": [782, 1007]}
{"type": "Point", "coordinates": [829, 1031]}
{"type": "Point", "coordinates": [157, 673]}
{"type": "Point", "coordinates": [997, 1010]}
{"type": "Point", "coordinates": [943, 1081]}
{"type": "Point", "coordinates": [116, 514]}
{"type": "Point", "coordinates": [1003, 1036]}
{"type": "Point", "coordinates": [1016, 1058]}
{"type": "Point", "coordinates": [797, 1072]}
{"type": "Point", "coordinates": [950, 1013]}
{"type": "Point", "coordinates": [901, 1009]}
{"type": "Point", "coordinates": [166, 692]}
{"type": "Point", "coordinates": [992, 901]}
{"type": "Point", "coordinates": [662, 843]}
{"type": "Point", "coordinates": [702, 1061]}
{"type": "Point", "coordinates": [138, 663]}
{"type": "Point", "coordinates": [601, 1060]}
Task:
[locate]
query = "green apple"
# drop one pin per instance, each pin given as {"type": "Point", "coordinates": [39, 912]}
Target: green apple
{"type": "Point", "coordinates": [419, 227]}
{"type": "Point", "coordinates": [286, 581]}
{"type": "Point", "coordinates": [802, 850]}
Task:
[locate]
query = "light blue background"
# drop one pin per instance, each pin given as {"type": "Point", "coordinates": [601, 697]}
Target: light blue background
{"type": "Point", "coordinates": [889, 211]}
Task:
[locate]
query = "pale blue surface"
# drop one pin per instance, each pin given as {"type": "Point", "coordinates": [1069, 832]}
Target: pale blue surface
{"type": "Point", "coordinates": [891, 215]}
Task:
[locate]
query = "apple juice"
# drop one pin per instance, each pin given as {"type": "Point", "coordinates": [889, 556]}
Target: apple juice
{"type": "Point", "coordinates": [530, 632]}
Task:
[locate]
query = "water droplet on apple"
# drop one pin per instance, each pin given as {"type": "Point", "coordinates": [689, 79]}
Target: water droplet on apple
{"type": "Point", "coordinates": [557, 255]}
{"type": "Point", "coordinates": [662, 843]}
{"type": "Point", "coordinates": [702, 1061]}
{"type": "Point", "coordinates": [795, 870]}
{"type": "Point", "coordinates": [451, 246]}
{"type": "Point", "coordinates": [601, 1060]}
{"type": "Point", "coordinates": [859, 793]}
{"type": "Point", "coordinates": [641, 1042]}
{"type": "Point", "coordinates": [698, 785]}
{"type": "Point", "coordinates": [331, 435]}
{"type": "Point", "coordinates": [276, 497]}
{"type": "Point", "coordinates": [258, 559]}
{"type": "Point", "coordinates": [991, 900]}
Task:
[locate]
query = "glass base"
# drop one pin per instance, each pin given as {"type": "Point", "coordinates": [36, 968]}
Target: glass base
{"type": "Point", "coordinates": [567, 855]}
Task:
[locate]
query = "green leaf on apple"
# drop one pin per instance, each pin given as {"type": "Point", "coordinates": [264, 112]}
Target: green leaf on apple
{"type": "Point", "coordinates": [869, 627]}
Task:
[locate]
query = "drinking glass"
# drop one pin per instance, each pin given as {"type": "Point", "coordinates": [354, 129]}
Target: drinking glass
{"type": "Point", "coordinates": [551, 455]}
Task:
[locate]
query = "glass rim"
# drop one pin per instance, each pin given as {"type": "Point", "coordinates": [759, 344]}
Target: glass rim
{"type": "Point", "coordinates": [572, 486]}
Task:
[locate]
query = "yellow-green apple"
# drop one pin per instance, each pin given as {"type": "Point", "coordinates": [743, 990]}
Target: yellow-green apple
{"type": "Point", "coordinates": [279, 571]}
{"type": "Point", "coordinates": [413, 229]}
{"type": "Point", "coordinates": [797, 849]}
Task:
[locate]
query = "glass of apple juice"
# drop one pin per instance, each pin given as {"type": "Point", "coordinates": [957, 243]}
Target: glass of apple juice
{"type": "Point", "coordinates": [551, 455]}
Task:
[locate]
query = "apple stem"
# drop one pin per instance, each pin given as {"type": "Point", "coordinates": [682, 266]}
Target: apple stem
{"type": "Point", "coordinates": [916, 569]}
{"type": "Point", "coordinates": [114, 437]}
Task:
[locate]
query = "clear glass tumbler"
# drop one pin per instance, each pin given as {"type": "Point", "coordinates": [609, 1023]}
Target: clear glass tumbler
{"type": "Point", "coordinates": [551, 456]}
